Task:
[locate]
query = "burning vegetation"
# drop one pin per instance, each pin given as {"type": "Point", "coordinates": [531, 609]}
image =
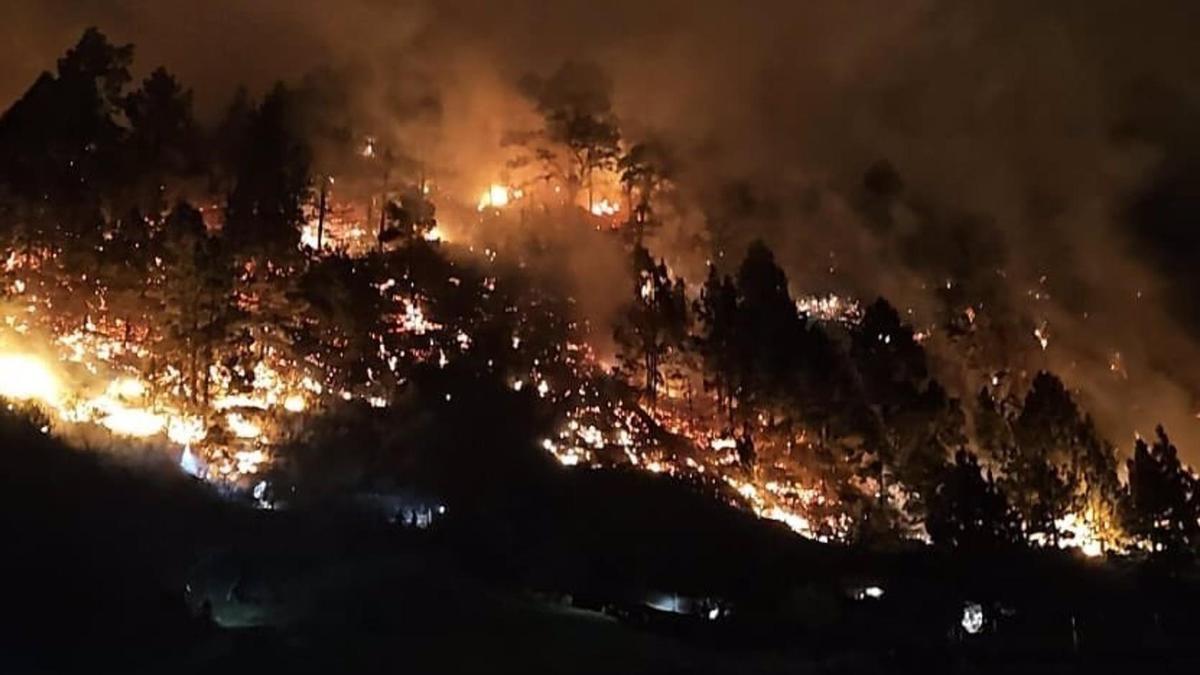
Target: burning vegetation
{"type": "Point", "coordinates": [219, 291]}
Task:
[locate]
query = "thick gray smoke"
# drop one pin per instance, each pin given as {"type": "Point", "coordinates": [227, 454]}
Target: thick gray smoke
{"type": "Point", "coordinates": [1001, 141]}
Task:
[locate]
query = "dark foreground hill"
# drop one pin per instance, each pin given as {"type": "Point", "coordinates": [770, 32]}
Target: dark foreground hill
{"type": "Point", "coordinates": [125, 565]}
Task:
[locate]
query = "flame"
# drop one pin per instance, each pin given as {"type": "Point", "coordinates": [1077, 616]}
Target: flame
{"type": "Point", "coordinates": [496, 196]}
{"type": "Point", "coordinates": [242, 427]}
{"type": "Point", "coordinates": [134, 422]}
{"type": "Point", "coordinates": [25, 378]}
{"type": "Point", "coordinates": [435, 234]}
{"type": "Point", "coordinates": [605, 208]}
{"type": "Point", "coordinates": [186, 430]}
{"type": "Point", "coordinates": [830, 308]}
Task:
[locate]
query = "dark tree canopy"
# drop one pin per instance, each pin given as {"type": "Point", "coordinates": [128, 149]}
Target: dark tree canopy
{"type": "Point", "coordinates": [969, 510]}
{"type": "Point", "coordinates": [271, 180]}
{"type": "Point", "coordinates": [1162, 501]}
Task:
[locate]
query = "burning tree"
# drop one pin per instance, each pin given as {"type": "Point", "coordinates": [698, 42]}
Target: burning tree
{"type": "Point", "coordinates": [575, 103]}
{"type": "Point", "coordinates": [646, 170]}
{"type": "Point", "coordinates": [654, 324]}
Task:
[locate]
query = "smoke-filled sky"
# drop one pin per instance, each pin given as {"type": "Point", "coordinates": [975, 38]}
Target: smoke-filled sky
{"type": "Point", "coordinates": [1041, 156]}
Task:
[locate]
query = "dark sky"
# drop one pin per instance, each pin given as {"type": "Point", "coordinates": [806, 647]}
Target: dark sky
{"type": "Point", "coordinates": [1051, 145]}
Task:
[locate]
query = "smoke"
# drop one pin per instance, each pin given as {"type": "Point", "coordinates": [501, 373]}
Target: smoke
{"type": "Point", "coordinates": [1019, 136]}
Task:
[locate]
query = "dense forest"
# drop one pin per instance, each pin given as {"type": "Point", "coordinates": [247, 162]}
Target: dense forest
{"type": "Point", "coordinates": [196, 280]}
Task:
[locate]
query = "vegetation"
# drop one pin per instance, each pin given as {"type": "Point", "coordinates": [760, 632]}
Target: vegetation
{"type": "Point", "coordinates": [106, 194]}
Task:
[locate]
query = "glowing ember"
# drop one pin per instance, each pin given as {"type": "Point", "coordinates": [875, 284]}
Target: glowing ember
{"type": "Point", "coordinates": [1042, 335]}
{"type": "Point", "coordinates": [831, 308]}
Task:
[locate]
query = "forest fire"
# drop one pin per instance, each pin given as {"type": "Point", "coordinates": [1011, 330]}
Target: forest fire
{"type": "Point", "coordinates": [224, 332]}
{"type": "Point", "coordinates": [755, 337]}
{"type": "Point", "coordinates": [232, 435]}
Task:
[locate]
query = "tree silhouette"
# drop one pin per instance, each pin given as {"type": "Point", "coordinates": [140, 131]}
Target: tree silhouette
{"type": "Point", "coordinates": [193, 299]}
{"type": "Point", "coordinates": [716, 310]}
{"type": "Point", "coordinates": [646, 169]}
{"type": "Point", "coordinates": [911, 421]}
{"type": "Point", "coordinates": [1160, 503]}
{"type": "Point", "coordinates": [575, 102]}
{"type": "Point", "coordinates": [163, 143]}
{"type": "Point", "coordinates": [271, 182]}
{"type": "Point", "coordinates": [968, 510]}
{"type": "Point", "coordinates": [347, 315]}
{"type": "Point", "coordinates": [409, 217]}
{"type": "Point", "coordinates": [768, 327]}
{"type": "Point", "coordinates": [1056, 463]}
{"type": "Point", "coordinates": [654, 322]}
{"type": "Point", "coordinates": [59, 142]}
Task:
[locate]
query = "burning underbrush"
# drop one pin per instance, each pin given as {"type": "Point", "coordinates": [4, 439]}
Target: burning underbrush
{"type": "Point", "coordinates": [225, 411]}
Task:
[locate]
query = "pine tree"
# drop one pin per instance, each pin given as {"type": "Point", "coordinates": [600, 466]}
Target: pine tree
{"type": "Point", "coordinates": [968, 509]}
{"type": "Point", "coordinates": [194, 299]}
{"type": "Point", "coordinates": [265, 208]}
{"type": "Point", "coordinates": [1161, 500]}
{"type": "Point", "coordinates": [163, 144]}
{"type": "Point", "coordinates": [575, 103]}
{"type": "Point", "coordinates": [655, 321]}
{"type": "Point", "coordinates": [716, 310]}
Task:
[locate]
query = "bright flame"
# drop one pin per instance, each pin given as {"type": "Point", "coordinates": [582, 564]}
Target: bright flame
{"type": "Point", "coordinates": [24, 378]}
{"type": "Point", "coordinates": [435, 234]}
{"type": "Point", "coordinates": [605, 208]}
{"type": "Point", "coordinates": [294, 403]}
{"type": "Point", "coordinates": [242, 427]}
{"type": "Point", "coordinates": [127, 387]}
{"type": "Point", "coordinates": [497, 196]}
{"type": "Point", "coordinates": [185, 430]}
{"type": "Point", "coordinates": [133, 422]}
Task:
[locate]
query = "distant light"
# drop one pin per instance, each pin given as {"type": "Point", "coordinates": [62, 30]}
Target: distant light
{"type": "Point", "coordinates": [972, 618]}
{"type": "Point", "coordinates": [867, 593]}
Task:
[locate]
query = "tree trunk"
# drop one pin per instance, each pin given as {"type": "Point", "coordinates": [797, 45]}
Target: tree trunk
{"type": "Point", "coordinates": [321, 214]}
{"type": "Point", "coordinates": [383, 205]}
